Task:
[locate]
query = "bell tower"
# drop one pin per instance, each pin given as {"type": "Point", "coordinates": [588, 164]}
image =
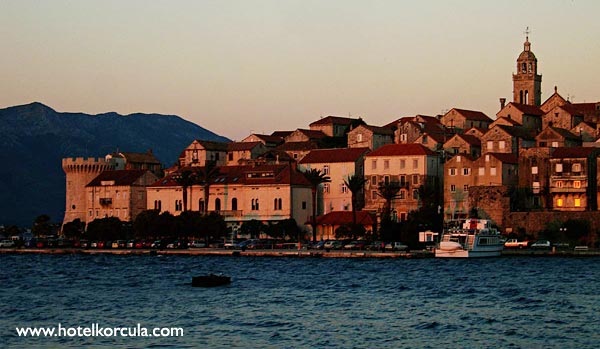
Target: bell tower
{"type": "Point", "coordinates": [527, 83]}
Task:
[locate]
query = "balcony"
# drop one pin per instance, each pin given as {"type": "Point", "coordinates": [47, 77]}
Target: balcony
{"type": "Point", "coordinates": [105, 201]}
{"type": "Point", "coordinates": [231, 213]}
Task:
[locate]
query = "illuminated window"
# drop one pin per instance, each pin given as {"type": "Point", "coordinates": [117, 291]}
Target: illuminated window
{"type": "Point", "coordinates": [576, 184]}
{"type": "Point", "coordinates": [559, 168]}
{"type": "Point", "coordinates": [559, 184]}
{"type": "Point", "coordinates": [577, 202]}
{"type": "Point", "coordinates": [559, 202]}
{"type": "Point", "coordinates": [534, 170]}
{"type": "Point", "coordinates": [577, 167]}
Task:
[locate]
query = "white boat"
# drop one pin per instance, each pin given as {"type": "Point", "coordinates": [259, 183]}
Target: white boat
{"type": "Point", "coordinates": [473, 238]}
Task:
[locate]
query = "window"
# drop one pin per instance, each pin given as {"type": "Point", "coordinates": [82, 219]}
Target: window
{"type": "Point", "coordinates": [402, 180]}
{"type": "Point", "coordinates": [466, 171]}
{"type": "Point", "coordinates": [254, 203]}
{"type": "Point", "coordinates": [577, 202]}
{"type": "Point", "coordinates": [458, 158]}
{"type": "Point", "coordinates": [325, 187]}
{"type": "Point", "coordinates": [530, 68]}
{"type": "Point", "coordinates": [415, 194]}
{"type": "Point", "coordinates": [534, 170]}
{"type": "Point", "coordinates": [217, 204]}
{"type": "Point", "coordinates": [178, 205]}
{"type": "Point", "coordinates": [304, 205]}
{"type": "Point", "coordinates": [490, 145]}
{"type": "Point", "coordinates": [559, 184]}
{"type": "Point", "coordinates": [415, 164]}
{"type": "Point", "coordinates": [487, 158]}
{"type": "Point", "coordinates": [374, 164]}
{"type": "Point", "coordinates": [402, 164]}
{"type": "Point", "coordinates": [386, 164]}
{"type": "Point", "coordinates": [277, 204]}
{"type": "Point", "coordinates": [415, 179]}
{"type": "Point", "coordinates": [554, 144]}
{"type": "Point", "coordinates": [523, 67]}
{"type": "Point", "coordinates": [559, 168]}
{"type": "Point", "coordinates": [373, 180]}
{"type": "Point", "coordinates": [466, 187]}
{"type": "Point", "coordinates": [452, 171]}
{"type": "Point", "coordinates": [482, 171]}
{"type": "Point", "coordinates": [559, 202]}
{"type": "Point", "coordinates": [403, 137]}
{"type": "Point", "coordinates": [402, 195]}
{"type": "Point", "coordinates": [453, 188]}
{"type": "Point", "coordinates": [492, 171]}
{"type": "Point", "coordinates": [326, 169]}
{"type": "Point", "coordinates": [576, 184]}
{"type": "Point", "coordinates": [424, 139]}
{"type": "Point", "coordinates": [386, 179]}
{"type": "Point", "coordinates": [230, 155]}
{"type": "Point", "coordinates": [344, 189]}
{"type": "Point", "coordinates": [374, 195]}
{"type": "Point", "coordinates": [501, 145]}
{"type": "Point", "coordinates": [576, 167]}
{"type": "Point", "coordinates": [359, 137]}
{"type": "Point", "coordinates": [234, 204]}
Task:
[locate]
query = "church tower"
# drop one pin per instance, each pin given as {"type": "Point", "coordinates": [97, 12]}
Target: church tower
{"type": "Point", "coordinates": [527, 84]}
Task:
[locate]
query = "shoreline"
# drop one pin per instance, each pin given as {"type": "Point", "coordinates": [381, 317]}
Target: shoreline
{"type": "Point", "coordinates": [283, 253]}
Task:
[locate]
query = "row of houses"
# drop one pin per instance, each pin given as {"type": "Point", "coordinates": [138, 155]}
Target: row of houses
{"type": "Point", "coordinates": [543, 154]}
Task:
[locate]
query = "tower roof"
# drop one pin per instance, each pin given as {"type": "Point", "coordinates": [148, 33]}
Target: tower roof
{"type": "Point", "coordinates": [527, 55]}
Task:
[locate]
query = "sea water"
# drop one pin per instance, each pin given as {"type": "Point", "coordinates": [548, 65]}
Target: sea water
{"type": "Point", "coordinates": [507, 302]}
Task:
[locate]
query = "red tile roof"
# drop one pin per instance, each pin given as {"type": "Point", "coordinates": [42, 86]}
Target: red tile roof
{"type": "Point", "coordinates": [290, 146]}
{"type": "Point", "coordinates": [247, 175]}
{"type": "Point", "coordinates": [472, 140]}
{"type": "Point", "coordinates": [527, 109]}
{"type": "Point", "coordinates": [242, 146]}
{"type": "Point", "coordinates": [345, 217]}
{"type": "Point", "coordinates": [587, 108]}
{"type": "Point", "coordinates": [319, 156]}
{"type": "Point", "coordinates": [338, 120]}
{"type": "Point", "coordinates": [507, 158]}
{"type": "Point", "coordinates": [569, 108]}
{"type": "Point", "coordinates": [275, 139]}
{"type": "Point", "coordinates": [120, 177]}
{"type": "Point", "coordinates": [473, 115]}
{"type": "Point", "coordinates": [563, 133]}
{"type": "Point", "coordinates": [281, 134]}
{"type": "Point", "coordinates": [510, 121]}
{"type": "Point", "coordinates": [378, 130]}
{"type": "Point", "coordinates": [401, 150]}
{"type": "Point", "coordinates": [573, 152]}
{"type": "Point", "coordinates": [138, 157]}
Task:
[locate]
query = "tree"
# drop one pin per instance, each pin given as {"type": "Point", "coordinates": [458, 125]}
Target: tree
{"type": "Point", "coordinates": [110, 228]}
{"type": "Point", "coordinates": [189, 223]}
{"type": "Point", "coordinates": [355, 184]}
{"type": "Point", "coordinates": [388, 191]}
{"type": "Point", "coordinates": [315, 178]}
{"type": "Point", "coordinates": [41, 226]}
{"type": "Point", "coordinates": [186, 179]}
{"type": "Point", "coordinates": [74, 229]}
{"type": "Point", "coordinates": [253, 228]}
{"type": "Point", "coordinates": [144, 225]}
{"type": "Point", "coordinates": [214, 227]}
{"type": "Point", "coordinates": [206, 176]}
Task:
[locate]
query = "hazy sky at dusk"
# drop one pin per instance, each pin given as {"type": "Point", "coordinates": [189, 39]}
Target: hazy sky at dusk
{"type": "Point", "coordinates": [237, 67]}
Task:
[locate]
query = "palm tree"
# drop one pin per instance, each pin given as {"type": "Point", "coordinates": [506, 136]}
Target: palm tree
{"type": "Point", "coordinates": [388, 191]}
{"type": "Point", "coordinates": [207, 175]}
{"type": "Point", "coordinates": [355, 183]}
{"type": "Point", "coordinates": [315, 178]}
{"type": "Point", "coordinates": [186, 179]}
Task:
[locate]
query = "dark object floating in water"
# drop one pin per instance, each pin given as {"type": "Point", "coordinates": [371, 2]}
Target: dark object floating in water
{"type": "Point", "coordinates": [210, 280]}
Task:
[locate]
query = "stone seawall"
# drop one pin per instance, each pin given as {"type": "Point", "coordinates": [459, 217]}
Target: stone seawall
{"type": "Point", "coordinates": [534, 222]}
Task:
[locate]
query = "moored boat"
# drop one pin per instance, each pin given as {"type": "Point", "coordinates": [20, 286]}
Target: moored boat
{"type": "Point", "coordinates": [210, 280]}
{"type": "Point", "coordinates": [472, 238]}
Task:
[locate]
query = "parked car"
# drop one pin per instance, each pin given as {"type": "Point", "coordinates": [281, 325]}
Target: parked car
{"type": "Point", "coordinates": [319, 245]}
{"type": "Point", "coordinates": [333, 245]}
{"type": "Point", "coordinates": [396, 246]}
{"type": "Point", "coordinates": [7, 243]}
{"type": "Point", "coordinates": [355, 245]}
{"type": "Point", "coordinates": [541, 244]}
{"type": "Point", "coordinates": [197, 244]}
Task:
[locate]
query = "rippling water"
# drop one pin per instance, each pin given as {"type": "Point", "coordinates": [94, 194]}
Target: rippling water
{"type": "Point", "coordinates": [516, 302]}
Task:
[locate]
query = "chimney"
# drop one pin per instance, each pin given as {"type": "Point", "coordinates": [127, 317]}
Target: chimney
{"type": "Point", "coordinates": [502, 103]}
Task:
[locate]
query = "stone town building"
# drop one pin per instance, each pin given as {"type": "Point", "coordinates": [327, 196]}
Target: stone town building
{"type": "Point", "coordinates": [459, 120]}
{"type": "Point", "coordinates": [269, 141]}
{"type": "Point", "coordinates": [459, 176]}
{"type": "Point", "coordinates": [301, 135]}
{"type": "Point", "coordinates": [410, 165]}
{"type": "Point", "coordinates": [135, 161]}
{"type": "Point", "coordinates": [494, 169]}
{"type": "Point", "coordinates": [573, 179]}
{"type": "Point", "coordinates": [564, 116]}
{"type": "Point", "coordinates": [586, 131]}
{"type": "Point", "coordinates": [118, 193]}
{"type": "Point", "coordinates": [199, 152]}
{"type": "Point", "coordinates": [534, 175]}
{"type": "Point", "coordinates": [267, 193]}
{"type": "Point", "coordinates": [338, 164]}
{"type": "Point", "coordinates": [527, 83]}
{"type": "Point", "coordinates": [506, 139]}
{"type": "Point", "coordinates": [79, 172]}
{"type": "Point", "coordinates": [526, 115]}
{"type": "Point", "coordinates": [464, 144]}
{"type": "Point", "coordinates": [239, 153]}
{"type": "Point", "coordinates": [555, 137]}
{"type": "Point", "coordinates": [297, 150]}
{"type": "Point", "coordinates": [371, 137]}
{"type": "Point", "coordinates": [334, 126]}
{"type": "Point", "coordinates": [409, 129]}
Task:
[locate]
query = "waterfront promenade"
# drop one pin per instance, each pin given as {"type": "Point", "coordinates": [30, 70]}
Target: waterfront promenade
{"type": "Point", "coordinates": [286, 252]}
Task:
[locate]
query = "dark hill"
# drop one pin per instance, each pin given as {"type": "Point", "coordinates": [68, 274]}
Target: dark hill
{"type": "Point", "coordinates": [34, 138]}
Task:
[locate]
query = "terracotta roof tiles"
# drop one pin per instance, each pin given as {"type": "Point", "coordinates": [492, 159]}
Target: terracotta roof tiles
{"type": "Point", "coordinates": [333, 155]}
{"type": "Point", "coordinates": [401, 150]}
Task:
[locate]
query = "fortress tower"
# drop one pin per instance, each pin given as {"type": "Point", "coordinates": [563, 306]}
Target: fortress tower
{"type": "Point", "coordinates": [79, 173]}
{"type": "Point", "coordinates": [527, 83]}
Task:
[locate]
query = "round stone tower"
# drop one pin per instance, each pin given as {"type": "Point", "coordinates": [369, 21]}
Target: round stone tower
{"type": "Point", "coordinates": [80, 172]}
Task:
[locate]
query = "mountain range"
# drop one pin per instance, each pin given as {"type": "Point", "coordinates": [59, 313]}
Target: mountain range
{"type": "Point", "coordinates": [34, 138]}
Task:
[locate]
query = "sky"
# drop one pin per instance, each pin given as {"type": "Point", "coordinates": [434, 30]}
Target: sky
{"type": "Point", "coordinates": [256, 66]}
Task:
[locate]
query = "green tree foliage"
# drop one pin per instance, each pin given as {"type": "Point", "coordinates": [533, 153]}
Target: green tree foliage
{"type": "Point", "coordinates": [110, 228]}
{"type": "Point", "coordinates": [74, 229]}
{"type": "Point", "coordinates": [253, 228]}
{"type": "Point", "coordinates": [350, 231]}
{"type": "Point", "coordinates": [355, 183]}
{"type": "Point", "coordinates": [214, 227]}
{"type": "Point", "coordinates": [144, 226]}
{"type": "Point", "coordinates": [189, 224]}
{"type": "Point", "coordinates": [165, 225]}
{"type": "Point", "coordinates": [206, 176]}
{"type": "Point", "coordinates": [315, 178]}
{"type": "Point", "coordinates": [286, 229]}
{"type": "Point", "coordinates": [186, 179]}
{"type": "Point", "coordinates": [41, 226]}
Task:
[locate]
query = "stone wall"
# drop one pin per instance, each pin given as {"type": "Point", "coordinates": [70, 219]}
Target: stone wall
{"type": "Point", "coordinates": [534, 222]}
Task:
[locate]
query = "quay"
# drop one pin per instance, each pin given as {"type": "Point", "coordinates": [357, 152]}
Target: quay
{"type": "Point", "coordinates": [290, 252]}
